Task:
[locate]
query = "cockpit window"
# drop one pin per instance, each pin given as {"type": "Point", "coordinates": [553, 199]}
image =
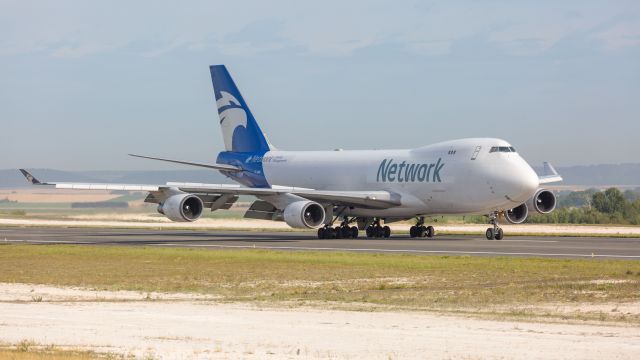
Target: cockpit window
{"type": "Point", "coordinates": [502, 149]}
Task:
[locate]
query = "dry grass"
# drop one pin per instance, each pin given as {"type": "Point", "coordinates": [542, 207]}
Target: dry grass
{"type": "Point", "coordinates": [29, 350]}
{"type": "Point", "coordinates": [452, 283]}
{"type": "Point", "coordinates": [48, 355]}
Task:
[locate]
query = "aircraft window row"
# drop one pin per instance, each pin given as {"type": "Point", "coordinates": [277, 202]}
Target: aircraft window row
{"type": "Point", "coordinates": [502, 149]}
{"type": "Point", "coordinates": [451, 152]}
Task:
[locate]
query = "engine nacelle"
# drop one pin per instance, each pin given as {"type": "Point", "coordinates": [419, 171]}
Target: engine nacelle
{"type": "Point", "coordinates": [304, 214]}
{"type": "Point", "coordinates": [517, 215]}
{"type": "Point", "coordinates": [543, 201]}
{"type": "Point", "coordinates": [182, 207]}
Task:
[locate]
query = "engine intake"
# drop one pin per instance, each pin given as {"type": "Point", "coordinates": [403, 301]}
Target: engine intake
{"type": "Point", "coordinates": [543, 201]}
{"type": "Point", "coordinates": [304, 214]}
{"type": "Point", "coordinates": [517, 215]}
{"type": "Point", "coordinates": [182, 207]}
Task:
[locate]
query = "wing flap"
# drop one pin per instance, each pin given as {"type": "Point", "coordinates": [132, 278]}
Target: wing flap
{"type": "Point", "coordinates": [368, 199]}
{"type": "Point", "coordinates": [261, 210]}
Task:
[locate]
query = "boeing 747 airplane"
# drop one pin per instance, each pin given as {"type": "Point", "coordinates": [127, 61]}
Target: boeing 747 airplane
{"type": "Point", "coordinates": [333, 190]}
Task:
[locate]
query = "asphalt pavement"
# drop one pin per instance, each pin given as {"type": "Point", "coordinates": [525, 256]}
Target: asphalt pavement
{"type": "Point", "coordinates": [522, 246]}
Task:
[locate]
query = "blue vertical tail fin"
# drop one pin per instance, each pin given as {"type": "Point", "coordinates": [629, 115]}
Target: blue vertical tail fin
{"type": "Point", "coordinates": [240, 130]}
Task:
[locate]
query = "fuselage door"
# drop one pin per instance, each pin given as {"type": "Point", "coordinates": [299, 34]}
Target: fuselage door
{"type": "Point", "coordinates": [476, 152]}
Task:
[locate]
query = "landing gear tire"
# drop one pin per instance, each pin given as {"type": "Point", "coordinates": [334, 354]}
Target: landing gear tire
{"type": "Point", "coordinates": [326, 233]}
{"type": "Point", "coordinates": [341, 231]}
{"type": "Point", "coordinates": [376, 231]}
{"type": "Point", "coordinates": [345, 232]}
{"type": "Point", "coordinates": [386, 231]}
{"type": "Point", "coordinates": [499, 234]}
{"type": "Point", "coordinates": [354, 232]}
{"type": "Point", "coordinates": [489, 234]}
{"type": "Point", "coordinates": [430, 231]}
{"type": "Point", "coordinates": [419, 230]}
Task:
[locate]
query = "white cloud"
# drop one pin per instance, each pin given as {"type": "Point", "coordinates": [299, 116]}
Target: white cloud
{"type": "Point", "coordinates": [620, 36]}
{"type": "Point", "coordinates": [76, 28]}
{"type": "Point", "coordinates": [80, 50]}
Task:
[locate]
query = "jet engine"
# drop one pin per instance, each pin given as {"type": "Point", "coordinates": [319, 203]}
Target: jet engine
{"type": "Point", "coordinates": [517, 215]}
{"type": "Point", "coordinates": [182, 207]}
{"type": "Point", "coordinates": [543, 201]}
{"type": "Point", "coordinates": [304, 214]}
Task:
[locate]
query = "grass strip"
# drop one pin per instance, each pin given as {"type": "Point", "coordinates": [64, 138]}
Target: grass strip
{"type": "Point", "coordinates": [406, 281]}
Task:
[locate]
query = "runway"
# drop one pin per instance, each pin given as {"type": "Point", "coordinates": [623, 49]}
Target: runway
{"type": "Point", "coordinates": [519, 246]}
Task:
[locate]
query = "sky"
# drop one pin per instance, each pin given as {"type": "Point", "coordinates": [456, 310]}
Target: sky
{"type": "Point", "coordinates": [84, 83]}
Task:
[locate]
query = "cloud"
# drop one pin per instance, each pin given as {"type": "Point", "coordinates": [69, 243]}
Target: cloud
{"type": "Point", "coordinates": [80, 50]}
{"type": "Point", "coordinates": [331, 28]}
{"type": "Point", "coordinates": [619, 36]}
{"type": "Point", "coordinates": [531, 30]}
{"type": "Point", "coordinates": [441, 47]}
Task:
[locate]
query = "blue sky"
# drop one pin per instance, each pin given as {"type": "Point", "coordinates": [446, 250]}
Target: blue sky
{"type": "Point", "coordinates": [84, 83]}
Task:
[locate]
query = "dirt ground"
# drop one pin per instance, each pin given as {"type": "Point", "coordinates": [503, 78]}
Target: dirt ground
{"type": "Point", "coordinates": [54, 195]}
{"type": "Point", "coordinates": [170, 326]}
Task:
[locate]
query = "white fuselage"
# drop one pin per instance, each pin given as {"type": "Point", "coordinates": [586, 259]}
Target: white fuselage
{"type": "Point", "coordinates": [452, 177]}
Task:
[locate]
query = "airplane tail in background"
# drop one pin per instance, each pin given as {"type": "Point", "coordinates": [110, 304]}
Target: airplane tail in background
{"type": "Point", "coordinates": [240, 130]}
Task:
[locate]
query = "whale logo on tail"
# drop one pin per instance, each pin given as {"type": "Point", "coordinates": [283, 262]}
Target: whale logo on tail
{"type": "Point", "coordinates": [232, 116]}
{"type": "Point", "coordinates": [240, 130]}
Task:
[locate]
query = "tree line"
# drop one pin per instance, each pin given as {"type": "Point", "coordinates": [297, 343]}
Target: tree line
{"type": "Point", "coordinates": [611, 206]}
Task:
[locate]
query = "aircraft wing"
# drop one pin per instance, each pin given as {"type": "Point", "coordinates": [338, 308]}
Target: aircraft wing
{"type": "Point", "coordinates": [369, 199]}
{"type": "Point", "coordinates": [223, 167]}
{"type": "Point", "coordinates": [549, 174]}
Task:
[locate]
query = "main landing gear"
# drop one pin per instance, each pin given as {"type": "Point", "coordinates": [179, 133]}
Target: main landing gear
{"type": "Point", "coordinates": [495, 232]}
{"type": "Point", "coordinates": [419, 230]}
{"type": "Point", "coordinates": [376, 230]}
{"type": "Point", "coordinates": [342, 231]}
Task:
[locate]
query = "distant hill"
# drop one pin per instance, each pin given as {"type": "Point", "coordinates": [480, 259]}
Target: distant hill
{"type": "Point", "coordinates": [606, 174]}
{"type": "Point", "coordinates": [595, 175]}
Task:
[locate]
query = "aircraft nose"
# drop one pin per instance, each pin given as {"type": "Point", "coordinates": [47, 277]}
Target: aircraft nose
{"type": "Point", "coordinates": [520, 182]}
{"type": "Point", "coordinates": [530, 181]}
{"type": "Point", "coordinates": [526, 181]}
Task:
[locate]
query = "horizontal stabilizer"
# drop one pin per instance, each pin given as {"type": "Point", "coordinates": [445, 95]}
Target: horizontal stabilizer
{"type": "Point", "coordinates": [549, 174]}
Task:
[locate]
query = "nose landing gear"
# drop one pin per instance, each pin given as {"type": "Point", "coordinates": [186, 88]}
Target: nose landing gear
{"type": "Point", "coordinates": [495, 232]}
{"type": "Point", "coordinates": [419, 230]}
